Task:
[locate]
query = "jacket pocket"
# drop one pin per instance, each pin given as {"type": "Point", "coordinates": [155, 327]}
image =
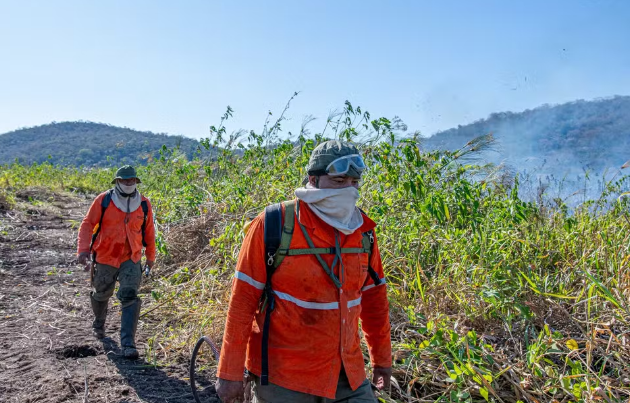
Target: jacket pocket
{"type": "Point", "coordinates": [135, 222]}
{"type": "Point", "coordinates": [356, 266]}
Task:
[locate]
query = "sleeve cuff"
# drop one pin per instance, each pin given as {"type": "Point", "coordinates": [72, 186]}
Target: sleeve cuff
{"type": "Point", "coordinates": [230, 376]}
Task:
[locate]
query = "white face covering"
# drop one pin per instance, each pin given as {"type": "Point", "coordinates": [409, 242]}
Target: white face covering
{"type": "Point", "coordinates": [336, 207]}
{"type": "Point", "coordinates": [126, 204]}
{"type": "Point", "coordinates": [127, 188]}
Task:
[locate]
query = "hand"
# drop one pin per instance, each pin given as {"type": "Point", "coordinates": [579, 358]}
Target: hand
{"type": "Point", "coordinates": [83, 258]}
{"type": "Point", "coordinates": [381, 377]}
{"type": "Point", "coordinates": [230, 391]}
{"type": "Point", "coordinates": [150, 263]}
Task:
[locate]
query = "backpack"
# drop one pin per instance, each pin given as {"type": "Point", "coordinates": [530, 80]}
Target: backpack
{"type": "Point", "coordinates": [277, 238]}
{"type": "Point", "coordinates": [104, 204]}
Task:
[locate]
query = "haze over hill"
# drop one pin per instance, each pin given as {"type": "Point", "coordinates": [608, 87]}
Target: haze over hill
{"type": "Point", "coordinates": [561, 140]}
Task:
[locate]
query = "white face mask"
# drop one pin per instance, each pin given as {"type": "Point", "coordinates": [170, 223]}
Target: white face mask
{"type": "Point", "coordinates": [130, 201]}
{"type": "Point", "coordinates": [337, 207]}
{"type": "Point", "coordinates": [127, 188]}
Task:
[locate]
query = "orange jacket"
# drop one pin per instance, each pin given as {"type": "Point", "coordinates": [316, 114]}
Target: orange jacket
{"type": "Point", "coordinates": [314, 327]}
{"type": "Point", "coordinates": [120, 237]}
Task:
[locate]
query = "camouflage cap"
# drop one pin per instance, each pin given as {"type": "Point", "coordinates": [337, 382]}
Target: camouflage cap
{"type": "Point", "coordinates": [327, 152]}
{"type": "Point", "coordinates": [126, 172]}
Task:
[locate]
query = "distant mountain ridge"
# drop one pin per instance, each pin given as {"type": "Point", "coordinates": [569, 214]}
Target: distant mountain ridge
{"type": "Point", "coordinates": [562, 140]}
{"type": "Point", "coordinates": [88, 144]}
{"type": "Point", "coordinates": [554, 140]}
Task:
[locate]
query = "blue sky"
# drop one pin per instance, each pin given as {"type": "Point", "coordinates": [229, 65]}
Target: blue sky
{"type": "Point", "coordinates": [174, 66]}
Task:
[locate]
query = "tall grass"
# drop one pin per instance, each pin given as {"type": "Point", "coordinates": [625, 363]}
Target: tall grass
{"type": "Point", "coordinates": [493, 297]}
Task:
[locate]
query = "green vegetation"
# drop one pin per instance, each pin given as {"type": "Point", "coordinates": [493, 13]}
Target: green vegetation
{"type": "Point", "coordinates": [89, 144]}
{"type": "Point", "coordinates": [493, 298]}
{"type": "Point", "coordinates": [556, 141]}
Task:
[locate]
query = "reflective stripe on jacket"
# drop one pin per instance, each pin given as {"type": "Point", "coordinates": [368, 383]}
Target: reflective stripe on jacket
{"type": "Point", "coordinates": [314, 327]}
{"type": "Point", "coordinates": [117, 231]}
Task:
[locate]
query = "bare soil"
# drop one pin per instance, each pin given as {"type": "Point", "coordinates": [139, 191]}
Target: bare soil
{"type": "Point", "coordinates": [47, 351]}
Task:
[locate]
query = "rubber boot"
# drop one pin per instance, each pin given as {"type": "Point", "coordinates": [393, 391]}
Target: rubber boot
{"type": "Point", "coordinates": [128, 326]}
{"type": "Point", "coordinates": [100, 314]}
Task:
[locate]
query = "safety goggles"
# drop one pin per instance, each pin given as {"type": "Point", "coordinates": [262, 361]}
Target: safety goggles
{"type": "Point", "coordinates": [341, 165]}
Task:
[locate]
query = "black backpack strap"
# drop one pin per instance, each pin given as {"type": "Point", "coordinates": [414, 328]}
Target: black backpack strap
{"type": "Point", "coordinates": [145, 210]}
{"type": "Point", "coordinates": [273, 235]}
{"type": "Point", "coordinates": [107, 198]}
{"type": "Point", "coordinates": [368, 245]}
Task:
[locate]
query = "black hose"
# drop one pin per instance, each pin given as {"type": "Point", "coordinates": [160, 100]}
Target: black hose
{"type": "Point", "coordinates": [193, 360]}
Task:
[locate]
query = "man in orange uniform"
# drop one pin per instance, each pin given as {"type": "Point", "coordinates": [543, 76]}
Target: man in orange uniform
{"type": "Point", "coordinates": [302, 344]}
{"type": "Point", "coordinates": [117, 226]}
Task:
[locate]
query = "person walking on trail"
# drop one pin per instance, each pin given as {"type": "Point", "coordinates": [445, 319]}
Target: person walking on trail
{"type": "Point", "coordinates": [117, 226]}
{"type": "Point", "coordinates": [308, 270]}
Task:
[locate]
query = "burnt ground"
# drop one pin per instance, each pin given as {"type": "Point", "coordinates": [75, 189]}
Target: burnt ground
{"type": "Point", "coordinates": [47, 351]}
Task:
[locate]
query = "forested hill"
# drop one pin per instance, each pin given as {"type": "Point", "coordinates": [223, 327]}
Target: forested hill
{"type": "Point", "coordinates": [88, 144]}
{"type": "Point", "coordinates": [560, 140]}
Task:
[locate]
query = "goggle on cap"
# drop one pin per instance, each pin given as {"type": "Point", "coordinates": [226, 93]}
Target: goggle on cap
{"type": "Point", "coordinates": [334, 158]}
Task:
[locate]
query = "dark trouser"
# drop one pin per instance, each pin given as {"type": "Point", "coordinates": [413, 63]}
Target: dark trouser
{"type": "Point", "coordinates": [276, 394]}
{"type": "Point", "coordinates": [129, 275]}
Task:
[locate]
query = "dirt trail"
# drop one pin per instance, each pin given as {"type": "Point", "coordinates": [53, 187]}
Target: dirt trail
{"type": "Point", "coordinates": [47, 351]}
